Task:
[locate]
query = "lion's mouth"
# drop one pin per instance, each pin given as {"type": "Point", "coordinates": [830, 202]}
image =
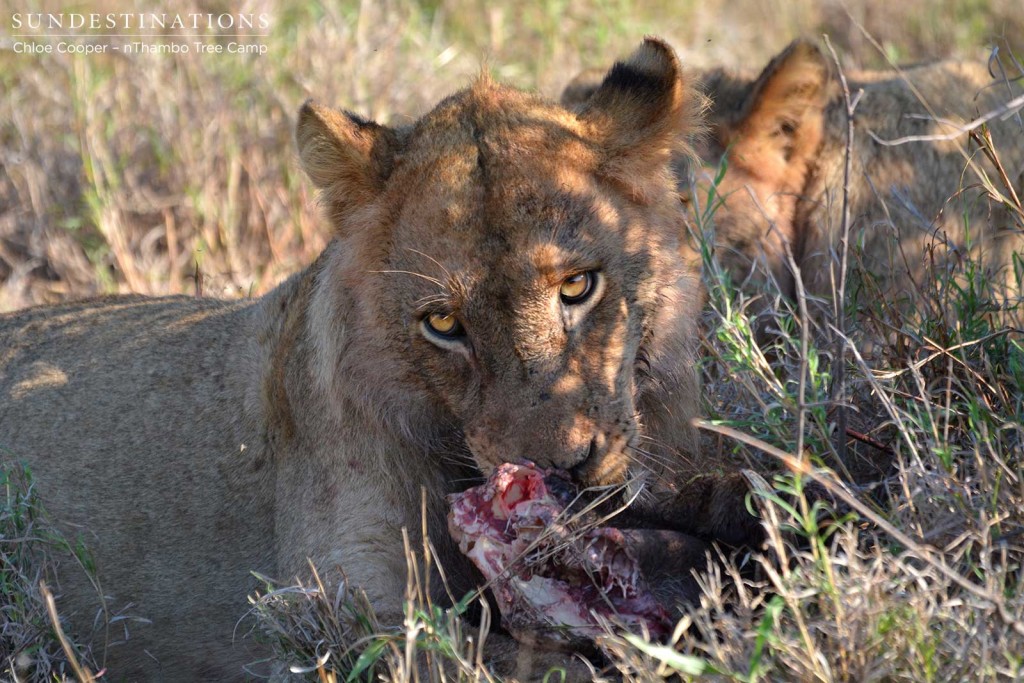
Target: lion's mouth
{"type": "Point", "coordinates": [609, 456]}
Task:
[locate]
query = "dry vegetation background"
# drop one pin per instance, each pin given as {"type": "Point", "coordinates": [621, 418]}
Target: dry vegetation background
{"type": "Point", "coordinates": [160, 174]}
{"type": "Point", "coordinates": [126, 174]}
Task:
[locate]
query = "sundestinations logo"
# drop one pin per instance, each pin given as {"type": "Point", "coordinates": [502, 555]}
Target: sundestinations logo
{"type": "Point", "coordinates": [131, 33]}
{"type": "Point", "coordinates": [140, 21]}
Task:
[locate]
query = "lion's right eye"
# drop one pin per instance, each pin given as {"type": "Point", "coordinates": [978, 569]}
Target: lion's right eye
{"type": "Point", "coordinates": [577, 288]}
{"type": "Point", "coordinates": [444, 325]}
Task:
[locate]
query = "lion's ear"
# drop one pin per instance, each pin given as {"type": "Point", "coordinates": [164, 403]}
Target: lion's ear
{"type": "Point", "coordinates": [642, 112]}
{"type": "Point", "coordinates": [347, 157]}
{"type": "Point", "coordinates": [782, 118]}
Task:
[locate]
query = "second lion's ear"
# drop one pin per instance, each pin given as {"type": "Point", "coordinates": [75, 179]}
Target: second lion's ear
{"type": "Point", "coordinates": [346, 157]}
{"type": "Point", "coordinates": [581, 88]}
{"type": "Point", "coordinates": [783, 114]}
{"type": "Point", "coordinates": [642, 113]}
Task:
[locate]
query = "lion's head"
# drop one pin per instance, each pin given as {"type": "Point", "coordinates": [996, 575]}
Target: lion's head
{"type": "Point", "coordinates": [764, 136]}
{"type": "Point", "coordinates": [508, 271]}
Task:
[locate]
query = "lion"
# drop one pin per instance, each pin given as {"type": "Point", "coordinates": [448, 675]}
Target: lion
{"type": "Point", "coordinates": [504, 282]}
{"type": "Point", "coordinates": [918, 209]}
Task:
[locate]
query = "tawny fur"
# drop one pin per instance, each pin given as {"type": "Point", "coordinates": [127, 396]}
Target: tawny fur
{"type": "Point", "coordinates": [784, 134]}
{"type": "Point", "coordinates": [917, 208]}
{"type": "Point", "coordinates": [194, 441]}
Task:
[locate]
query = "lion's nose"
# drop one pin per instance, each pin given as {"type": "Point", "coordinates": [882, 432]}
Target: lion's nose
{"type": "Point", "coordinates": [579, 471]}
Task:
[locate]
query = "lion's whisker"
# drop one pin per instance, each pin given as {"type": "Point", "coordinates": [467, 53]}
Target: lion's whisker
{"type": "Point", "coordinates": [433, 280]}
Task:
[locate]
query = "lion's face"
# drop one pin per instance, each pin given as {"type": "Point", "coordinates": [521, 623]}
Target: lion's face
{"type": "Point", "coordinates": [523, 262]}
{"type": "Point", "coordinates": [527, 319]}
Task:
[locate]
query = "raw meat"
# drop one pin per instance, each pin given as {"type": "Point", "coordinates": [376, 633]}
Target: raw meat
{"type": "Point", "coordinates": [554, 575]}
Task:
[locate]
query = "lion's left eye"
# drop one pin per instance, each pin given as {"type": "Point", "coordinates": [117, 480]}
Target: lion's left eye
{"type": "Point", "coordinates": [577, 288]}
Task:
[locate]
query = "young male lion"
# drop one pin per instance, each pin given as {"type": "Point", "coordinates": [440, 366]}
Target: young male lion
{"type": "Point", "coordinates": [504, 282]}
{"type": "Point", "coordinates": [917, 209]}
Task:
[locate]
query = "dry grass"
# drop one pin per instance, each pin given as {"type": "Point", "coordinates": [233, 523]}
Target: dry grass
{"type": "Point", "coordinates": [161, 175]}
{"type": "Point", "coordinates": [32, 645]}
{"type": "Point", "coordinates": [136, 173]}
{"type": "Point", "coordinates": [333, 633]}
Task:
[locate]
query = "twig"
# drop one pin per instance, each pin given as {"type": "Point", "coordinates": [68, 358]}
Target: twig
{"type": "Point", "coordinates": [83, 674]}
{"type": "Point", "coordinates": [839, 304]}
{"type": "Point", "coordinates": [1014, 105]}
{"type": "Point", "coordinates": [865, 439]}
{"type": "Point", "coordinates": [805, 349]}
{"type": "Point", "coordinates": [805, 342]}
{"type": "Point", "coordinates": [996, 65]}
{"type": "Point", "coordinates": [941, 351]}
